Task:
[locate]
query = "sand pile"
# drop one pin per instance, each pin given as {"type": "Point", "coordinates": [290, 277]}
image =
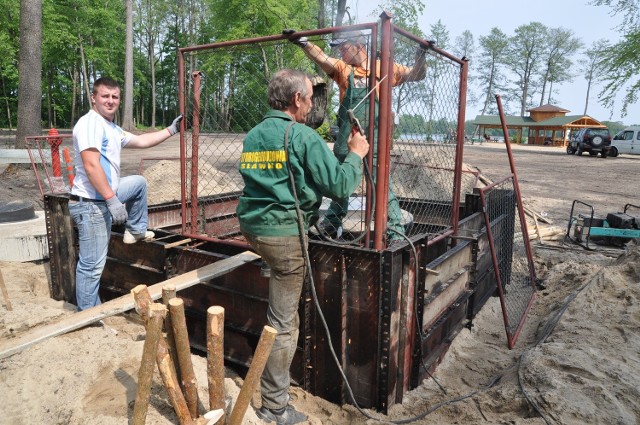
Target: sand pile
{"type": "Point", "coordinates": [424, 174]}
{"type": "Point", "coordinates": [163, 180]}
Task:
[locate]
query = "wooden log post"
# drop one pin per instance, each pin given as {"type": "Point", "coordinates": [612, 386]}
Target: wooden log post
{"type": "Point", "coordinates": [183, 350]}
{"type": "Point", "coordinates": [5, 294]}
{"type": "Point", "coordinates": [165, 365]}
{"type": "Point", "coordinates": [169, 293]}
{"type": "Point", "coordinates": [157, 312]}
{"type": "Point", "coordinates": [215, 358]}
{"type": "Point", "coordinates": [253, 375]}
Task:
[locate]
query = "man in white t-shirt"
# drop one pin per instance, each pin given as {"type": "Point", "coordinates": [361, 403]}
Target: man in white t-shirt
{"type": "Point", "coordinates": [99, 197]}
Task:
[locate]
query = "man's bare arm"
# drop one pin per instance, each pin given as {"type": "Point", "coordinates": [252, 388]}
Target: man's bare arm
{"type": "Point", "coordinates": [316, 54]}
{"type": "Point", "coordinates": [91, 162]}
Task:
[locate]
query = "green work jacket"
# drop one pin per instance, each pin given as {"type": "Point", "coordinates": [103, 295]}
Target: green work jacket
{"type": "Point", "coordinates": [266, 206]}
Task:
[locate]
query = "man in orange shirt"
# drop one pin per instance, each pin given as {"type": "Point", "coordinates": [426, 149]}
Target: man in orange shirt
{"type": "Point", "coordinates": [351, 73]}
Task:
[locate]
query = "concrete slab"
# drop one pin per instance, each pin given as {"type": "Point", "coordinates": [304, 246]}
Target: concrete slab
{"type": "Point", "coordinates": [23, 241]}
{"type": "Point", "coordinates": [21, 156]}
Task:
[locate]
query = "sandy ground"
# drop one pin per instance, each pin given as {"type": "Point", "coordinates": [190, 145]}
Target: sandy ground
{"type": "Point", "coordinates": [577, 359]}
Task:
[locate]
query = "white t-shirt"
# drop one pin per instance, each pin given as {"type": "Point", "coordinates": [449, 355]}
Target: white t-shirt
{"type": "Point", "coordinates": [93, 131]}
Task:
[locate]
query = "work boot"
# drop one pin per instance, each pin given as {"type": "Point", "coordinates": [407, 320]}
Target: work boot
{"type": "Point", "coordinates": [135, 237]}
{"type": "Point", "coordinates": [287, 415]}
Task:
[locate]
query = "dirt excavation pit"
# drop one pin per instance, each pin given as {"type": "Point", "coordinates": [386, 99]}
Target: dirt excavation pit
{"type": "Point", "coordinates": [582, 366]}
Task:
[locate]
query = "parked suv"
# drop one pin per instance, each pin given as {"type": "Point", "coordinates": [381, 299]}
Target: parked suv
{"type": "Point", "coordinates": [592, 140]}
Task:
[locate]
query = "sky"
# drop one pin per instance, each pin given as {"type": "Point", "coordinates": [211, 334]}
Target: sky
{"type": "Point", "coordinates": [589, 23]}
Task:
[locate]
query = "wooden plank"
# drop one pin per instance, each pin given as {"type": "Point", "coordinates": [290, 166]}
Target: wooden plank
{"type": "Point", "coordinates": [122, 304]}
{"type": "Point", "coordinates": [177, 243]}
{"type": "Point", "coordinates": [437, 304]}
{"type": "Point", "coordinates": [448, 264]}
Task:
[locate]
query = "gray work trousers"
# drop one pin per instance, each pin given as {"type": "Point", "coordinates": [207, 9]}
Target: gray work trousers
{"type": "Point", "coordinates": [284, 255]}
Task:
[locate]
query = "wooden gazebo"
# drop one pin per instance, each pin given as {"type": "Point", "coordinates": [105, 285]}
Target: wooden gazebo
{"type": "Point", "coordinates": [546, 124]}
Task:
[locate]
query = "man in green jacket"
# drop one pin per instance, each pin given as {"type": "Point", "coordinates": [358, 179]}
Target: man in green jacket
{"type": "Point", "coordinates": [279, 145]}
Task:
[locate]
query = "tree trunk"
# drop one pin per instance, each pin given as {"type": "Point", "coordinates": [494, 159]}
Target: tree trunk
{"type": "Point", "coordinates": [321, 14]}
{"type": "Point", "coordinates": [29, 71]}
{"type": "Point", "coordinates": [50, 118]}
{"type": "Point", "coordinates": [85, 74]}
{"type": "Point", "coordinates": [74, 94]}
{"type": "Point", "coordinates": [127, 111]}
{"type": "Point", "coordinates": [586, 100]}
{"type": "Point", "coordinates": [6, 100]}
{"type": "Point", "coordinates": [342, 8]}
{"type": "Point", "coordinates": [152, 69]}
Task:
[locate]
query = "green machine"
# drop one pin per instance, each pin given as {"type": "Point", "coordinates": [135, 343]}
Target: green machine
{"type": "Point", "coordinates": [614, 230]}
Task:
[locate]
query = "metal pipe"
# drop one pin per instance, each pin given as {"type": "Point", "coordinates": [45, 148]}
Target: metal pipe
{"type": "Point", "coordinates": [195, 146]}
{"type": "Point", "coordinates": [440, 237]}
{"type": "Point", "coordinates": [457, 175]}
{"type": "Point", "coordinates": [368, 211]}
{"type": "Point", "coordinates": [384, 111]}
{"type": "Point", "coordinates": [427, 44]}
{"type": "Point", "coordinates": [365, 26]}
{"type": "Point", "coordinates": [183, 153]}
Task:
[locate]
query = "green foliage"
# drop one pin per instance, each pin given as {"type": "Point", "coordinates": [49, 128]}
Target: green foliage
{"type": "Point", "coordinates": [524, 59]}
{"type": "Point", "coordinates": [490, 76]}
{"type": "Point", "coordinates": [405, 14]}
{"type": "Point", "coordinates": [614, 126]}
{"type": "Point", "coordinates": [560, 46]}
{"type": "Point", "coordinates": [621, 74]}
{"type": "Point", "coordinates": [617, 61]}
{"type": "Point", "coordinates": [85, 39]}
{"type": "Point", "coordinates": [325, 132]}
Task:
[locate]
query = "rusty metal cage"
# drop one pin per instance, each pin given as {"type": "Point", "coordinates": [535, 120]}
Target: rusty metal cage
{"type": "Point", "coordinates": [52, 161]}
{"type": "Point", "coordinates": [404, 303]}
{"type": "Point", "coordinates": [223, 89]}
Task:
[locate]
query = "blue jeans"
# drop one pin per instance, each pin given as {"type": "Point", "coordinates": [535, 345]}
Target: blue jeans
{"type": "Point", "coordinates": [94, 231]}
{"type": "Point", "coordinates": [284, 255]}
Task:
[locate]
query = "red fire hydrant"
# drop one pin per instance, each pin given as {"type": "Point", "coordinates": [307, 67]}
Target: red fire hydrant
{"type": "Point", "coordinates": [55, 142]}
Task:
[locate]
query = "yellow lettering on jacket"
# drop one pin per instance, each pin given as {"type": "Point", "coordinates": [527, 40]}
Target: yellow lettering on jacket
{"type": "Point", "coordinates": [264, 160]}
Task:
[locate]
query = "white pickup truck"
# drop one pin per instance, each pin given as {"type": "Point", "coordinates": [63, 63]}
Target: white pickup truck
{"type": "Point", "coordinates": [627, 141]}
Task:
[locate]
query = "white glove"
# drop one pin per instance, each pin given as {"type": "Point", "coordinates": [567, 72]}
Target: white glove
{"type": "Point", "coordinates": [117, 209]}
{"type": "Point", "coordinates": [175, 125]}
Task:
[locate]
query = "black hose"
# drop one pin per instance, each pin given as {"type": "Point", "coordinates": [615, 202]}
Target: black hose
{"type": "Point", "coordinates": [325, 236]}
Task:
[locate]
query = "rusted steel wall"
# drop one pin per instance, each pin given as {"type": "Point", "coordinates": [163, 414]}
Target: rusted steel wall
{"type": "Point", "coordinates": [375, 302]}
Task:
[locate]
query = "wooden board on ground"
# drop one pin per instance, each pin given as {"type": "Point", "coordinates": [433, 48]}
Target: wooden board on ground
{"type": "Point", "coordinates": [122, 304]}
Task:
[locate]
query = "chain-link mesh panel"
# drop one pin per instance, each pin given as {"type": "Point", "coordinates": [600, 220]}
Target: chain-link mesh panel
{"type": "Point", "coordinates": [424, 139]}
{"type": "Point", "coordinates": [516, 284]}
{"type": "Point", "coordinates": [225, 95]}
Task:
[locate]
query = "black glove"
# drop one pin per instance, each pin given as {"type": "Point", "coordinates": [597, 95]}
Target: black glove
{"type": "Point", "coordinates": [299, 41]}
{"type": "Point", "coordinates": [117, 209]}
{"type": "Point", "coordinates": [175, 125]}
